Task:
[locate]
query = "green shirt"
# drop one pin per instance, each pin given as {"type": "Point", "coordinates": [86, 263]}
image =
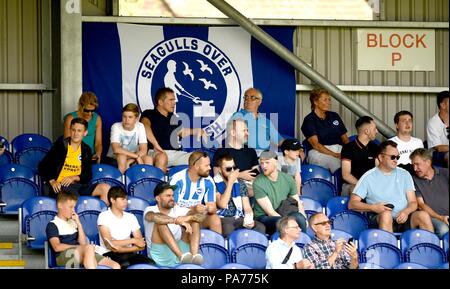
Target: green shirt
{"type": "Point", "coordinates": [277, 191]}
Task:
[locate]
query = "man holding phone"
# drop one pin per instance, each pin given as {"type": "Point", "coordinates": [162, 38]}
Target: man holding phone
{"type": "Point", "coordinates": [390, 195]}
{"type": "Point", "coordinates": [325, 253]}
{"type": "Point", "coordinates": [245, 158]}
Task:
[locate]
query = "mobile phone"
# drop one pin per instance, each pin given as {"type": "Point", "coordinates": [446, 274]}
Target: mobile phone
{"type": "Point", "coordinates": [255, 171]}
{"type": "Point", "coordinates": [390, 206]}
{"type": "Point", "coordinates": [350, 240]}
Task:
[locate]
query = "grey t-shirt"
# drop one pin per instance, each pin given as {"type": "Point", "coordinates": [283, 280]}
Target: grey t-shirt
{"type": "Point", "coordinates": [289, 168]}
{"type": "Point", "coordinates": [434, 192]}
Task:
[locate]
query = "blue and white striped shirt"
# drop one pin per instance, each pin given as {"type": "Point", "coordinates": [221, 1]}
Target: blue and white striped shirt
{"type": "Point", "coordinates": [188, 194]}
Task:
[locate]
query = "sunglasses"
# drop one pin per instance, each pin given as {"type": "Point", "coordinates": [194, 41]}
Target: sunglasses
{"type": "Point", "coordinates": [204, 155]}
{"type": "Point", "coordinates": [251, 97]}
{"type": "Point", "coordinates": [324, 223]}
{"type": "Point", "coordinates": [88, 110]}
{"type": "Point", "coordinates": [229, 169]}
{"type": "Point", "coordinates": [393, 157]}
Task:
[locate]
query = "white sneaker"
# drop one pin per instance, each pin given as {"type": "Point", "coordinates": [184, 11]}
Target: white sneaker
{"type": "Point", "coordinates": [197, 259]}
{"type": "Point", "coordinates": [186, 258]}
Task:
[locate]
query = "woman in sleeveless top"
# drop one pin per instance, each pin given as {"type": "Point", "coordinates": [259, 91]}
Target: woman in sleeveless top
{"type": "Point", "coordinates": [87, 105]}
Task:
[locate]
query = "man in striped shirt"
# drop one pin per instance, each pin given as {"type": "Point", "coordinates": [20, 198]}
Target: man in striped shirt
{"type": "Point", "coordinates": [196, 190]}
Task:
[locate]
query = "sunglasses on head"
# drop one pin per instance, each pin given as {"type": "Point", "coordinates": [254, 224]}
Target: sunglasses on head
{"type": "Point", "coordinates": [204, 155]}
{"type": "Point", "coordinates": [328, 222]}
{"type": "Point", "coordinates": [393, 157]}
{"type": "Point", "coordinates": [229, 169]}
{"type": "Point", "coordinates": [88, 110]}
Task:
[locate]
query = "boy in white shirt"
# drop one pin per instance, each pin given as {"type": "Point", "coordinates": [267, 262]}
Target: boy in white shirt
{"type": "Point", "coordinates": [406, 144]}
{"type": "Point", "coordinates": [116, 228]}
{"type": "Point", "coordinates": [290, 162]}
{"type": "Point", "coordinates": [128, 140]}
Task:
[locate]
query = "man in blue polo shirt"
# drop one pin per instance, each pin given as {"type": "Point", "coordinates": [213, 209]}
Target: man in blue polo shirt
{"type": "Point", "coordinates": [390, 195]}
{"type": "Point", "coordinates": [164, 130]}
{"type": "Point", "coordinates": [196, 190]}
{"type": "Point", "coordinates": [262, 132]}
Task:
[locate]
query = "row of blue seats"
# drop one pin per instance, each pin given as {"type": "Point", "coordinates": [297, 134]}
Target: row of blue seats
{"type": "Point", "coordinates": [376, 246]}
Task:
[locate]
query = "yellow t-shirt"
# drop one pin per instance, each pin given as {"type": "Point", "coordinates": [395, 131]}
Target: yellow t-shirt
{"type": "Point", "coordinates": [72, 164]}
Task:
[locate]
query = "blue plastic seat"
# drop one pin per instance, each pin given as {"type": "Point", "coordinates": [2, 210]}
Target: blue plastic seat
{"type": "Point", "coordinates": [107, 174]}
{"type": "Point", "coordinates": [141, 180]}
{"type": "Point", "coordinates": [336, 205]}
{"type": "Point", "coordinates": [188, 266]}
{"type": "Point", "coordinates": [234, 266]}
{"type": "Point", "coordinates": [36, 213]}
{"type": "Point", "coordinates": [319, 190]}
{"type": "Point", "coordinates": [311, 171]}
{"type": "Point", "coordinates": [379, 247]}
{"type": "Point", "coordinates": [443, 266]}
{"type": "Point", "coordinates": [241, 237]}
{"type": "Point", "coordinates": [426, 254]}
{"type": "Point", "coordinates": [351, 222]}
{"type": "Point", "coordinates": [17, 184]}
{"type": "Point", "coordinates": [311, 206]}
{"type": "Point", "coordinates": [175, 169]}
{"type": "Point", "coordinates": [369, 266]}
{"type": "Point", "coordinates": [445, 244]}
{"type": "Point", "coordinates": [209, 236]}
{"type": "Point", "coordinates": [339, 234]}
{"type": "Point", "coordinates": [137, 206]}
{"type": "Point", "coordinates": [88, 208]}
{"type": "Point", "coordinates": [300, 242]}
{"type": "Point", "coordinates": [6, 158]}
{"type": "Point", "coordinates": [143, 266]}
{"type": "Point", "coordinates": [416, 236]}
{"type": "Point", "coordinates": [5, 142]}
{"type": "Point", "coordinates": [252, 255]}
{"type": "Point", "coordinates": [214, 255]}
{"type": "Point", "coordinates": [337, 181]}
{"type": "Point", "coordinates": [29, 149]}
{"type": "Point", "coordinates": [409, 265]}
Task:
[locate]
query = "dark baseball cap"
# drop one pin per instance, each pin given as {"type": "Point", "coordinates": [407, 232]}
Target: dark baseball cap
{"type": "Point", "coordinates": [291, 144]}
{"type": "Point", "coordinates": [161, 187]}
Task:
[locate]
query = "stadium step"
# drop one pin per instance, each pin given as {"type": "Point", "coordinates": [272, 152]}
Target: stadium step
{"type": "Point", "coordinates": [9, 248]}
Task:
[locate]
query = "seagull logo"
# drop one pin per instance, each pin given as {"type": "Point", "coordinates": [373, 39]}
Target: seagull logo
{"type": "Point", "coordinates": [204, 66]}
{"type": "Point", "coordinates": [188, 71]}
{"type": "Point", "coordinates": [207, 84]}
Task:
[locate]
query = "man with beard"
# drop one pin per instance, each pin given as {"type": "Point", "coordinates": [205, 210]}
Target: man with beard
{"type": "Point", "coordinates": [171, 237]}
{"type": "Point", "coordinates": [196, 190]}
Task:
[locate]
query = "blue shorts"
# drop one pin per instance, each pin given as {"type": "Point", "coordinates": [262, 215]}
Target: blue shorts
{"type": "Point", "coordinates": [163, 256]}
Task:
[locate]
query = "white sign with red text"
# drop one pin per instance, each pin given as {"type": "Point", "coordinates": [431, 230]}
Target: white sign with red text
{"type": "Point", "coordinates": [396, 49]}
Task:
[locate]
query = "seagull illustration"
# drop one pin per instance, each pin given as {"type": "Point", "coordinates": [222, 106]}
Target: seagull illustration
{"type": "Point", "coordinates": [204, 66]}
{"type": "Point", "coordinates": [208, 84]}
{"type": "Point", "coordinates": [187, 71]}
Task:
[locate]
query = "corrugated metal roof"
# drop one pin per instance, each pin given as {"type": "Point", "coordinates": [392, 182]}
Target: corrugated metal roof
{"type": "Point", "coordinates": [270, 9]}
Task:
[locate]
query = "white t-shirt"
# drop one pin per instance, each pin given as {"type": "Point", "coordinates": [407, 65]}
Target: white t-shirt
{"type": "Point", "coordinates": [175, 229]}
{"type": "Point", "coordinates": [277, 251]}
{"type": "Point", "coordinates": [128, 139]}
{"type": "Point", "coordinates": [436, 132]}
{"type": "Point", "coordinates": [120, 228]}
{"type": "Point", "coordinates": [289, 168]}
{"type": "Point", "coordinates": [406, 148]}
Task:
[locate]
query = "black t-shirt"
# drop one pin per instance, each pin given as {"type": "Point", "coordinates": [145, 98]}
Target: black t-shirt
{"type": "Point", "coordinates": [362, 157]}
{"type": "Point", "coordinates": [328, 130]}
{"type": "Point", "coordinates": [244, 158]}
{"type": "Point", "coordinates": [164, 130]}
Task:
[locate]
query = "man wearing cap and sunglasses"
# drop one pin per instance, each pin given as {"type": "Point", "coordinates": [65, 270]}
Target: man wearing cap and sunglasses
{"type": "Point", "coordinates": [390, 195]}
